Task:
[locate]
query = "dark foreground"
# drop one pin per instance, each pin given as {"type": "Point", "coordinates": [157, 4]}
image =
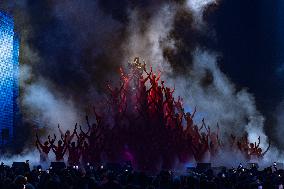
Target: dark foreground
{"type": "Point", "coordinates": [20, 177]}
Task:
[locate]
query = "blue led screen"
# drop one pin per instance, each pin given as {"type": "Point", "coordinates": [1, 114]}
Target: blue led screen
{"type": "Point", "coordinates": [9, 68]}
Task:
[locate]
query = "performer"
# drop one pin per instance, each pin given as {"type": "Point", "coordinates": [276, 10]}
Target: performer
{"type": "Point", "coordinates": [137, 67]}
{"type": "Point", "coordinates": [67, 136]}
{"type": "Point", "coordinates": [74, 154]}
{"type": "Point", "coordinates": [85, 152]}
{"type": "Point", "coordinates": [43, 149]}
{"type": "Point", "coordinates": [189, 119]}
{"type": "Point", "coordinates": [59, 150]}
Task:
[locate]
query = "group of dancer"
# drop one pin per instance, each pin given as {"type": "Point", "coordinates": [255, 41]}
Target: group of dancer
{"type": "Point", "coordinates": [145, 124]}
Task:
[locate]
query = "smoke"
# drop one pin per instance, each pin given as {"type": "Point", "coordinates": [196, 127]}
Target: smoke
{"type": "Point", "coordinates": [32, 156]}
{"type": "Point", "coordinates": [216, 97]}
{"type": "Point", "coordinates": [70, 49]}
{"type": "Point", "coordinates": [279, 116]}
{"type": "Point", "coordinates": [149, 43]}
{"type": "Point", "coordinates": [50, 107]}
{"type": "Point", "coordinates": [197, 7]}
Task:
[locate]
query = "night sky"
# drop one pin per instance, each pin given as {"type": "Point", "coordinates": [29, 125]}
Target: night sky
{"type": "Point", "coordinates": [248, 34]}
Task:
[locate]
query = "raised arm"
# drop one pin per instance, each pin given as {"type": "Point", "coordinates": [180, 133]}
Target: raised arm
{"type": "Point", "coordinates": [257, 145]}
{"type": "Point", "coordinates": [173, 90]}
{"type": "Point", "coordinates": [146, 79]}
{"type": "Point", "coordinates": [158, 77]}
{"type": "Point", "coordinates": [218, 132]}
{"type": "Point", "coordinates": [269, 143]}
{"type": "Point", "coordinates": [121, 88]}
{"type": "Point", "coordinates": [74, 132]}
{"type": "Point", "coordinates": [202, 125]}
{"type": "Point", "coordinates": [87, 120]}
{"type": "Point", "coordinates": [149, 74]}
{"type": "Point", "coordinates": [209, 131]}
{"type": "Point", "coordinates": [98, 117]}
{"type": "Point", "coordinates": [61, 132]}
{"type": "Point", "coordinates": [38, 144]}
{"type": "Point", "coordinates": [85, 134]}
{"type": "Point", "coordinates": [121, 72]}
{"type": "Point", "coordinates": [53, 149]}
{"type": "Point", "coordinates": [192, 116]}
{"type": "Point", "coordinates": [203, 122]}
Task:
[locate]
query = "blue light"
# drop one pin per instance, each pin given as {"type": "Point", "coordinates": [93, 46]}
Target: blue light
{"type": "Point", "coordinates": [9, 68]}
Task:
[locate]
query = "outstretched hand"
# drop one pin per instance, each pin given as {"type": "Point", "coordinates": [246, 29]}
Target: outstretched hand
{"type": "Point", "coordinates": [75, 130]}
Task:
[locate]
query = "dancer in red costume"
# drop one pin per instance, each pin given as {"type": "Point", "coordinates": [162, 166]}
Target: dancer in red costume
{"type": "Point", "coordinates": [67, 136]}
{"type": "Point", "coordinates": [43, 149]}
{"type": "Point", "coordinates": [59, 150]}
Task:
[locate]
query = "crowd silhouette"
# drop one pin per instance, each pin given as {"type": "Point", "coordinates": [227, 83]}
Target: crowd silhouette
{"type": "Point", "coordinates": [88, 177]}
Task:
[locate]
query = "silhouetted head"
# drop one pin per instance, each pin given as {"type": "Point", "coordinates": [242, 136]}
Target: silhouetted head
{"type": "Point", "coordinates": [188, 114]}
{"type": "Point", "coordinates": [67, 132]}
{"type": "Point", "coordinates": [86, 144]}
{"type": "Point", "coordinates": [251, 145]}
{"type": "Point", "coordinates": [73, 144]}
{"type": "Point", "coordinates": [45, 143]}
{"type": "Point", "coordinates": [94, 126]}
{"type": "Point", "coordinates": [59, 142]}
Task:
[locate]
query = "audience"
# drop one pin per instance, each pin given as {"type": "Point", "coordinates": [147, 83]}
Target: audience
{"type": "Point", "coordinates": [104, 178]}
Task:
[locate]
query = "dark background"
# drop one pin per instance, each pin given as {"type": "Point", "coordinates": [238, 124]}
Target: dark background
{"type": "Point", "coordinates": [250, 38]}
